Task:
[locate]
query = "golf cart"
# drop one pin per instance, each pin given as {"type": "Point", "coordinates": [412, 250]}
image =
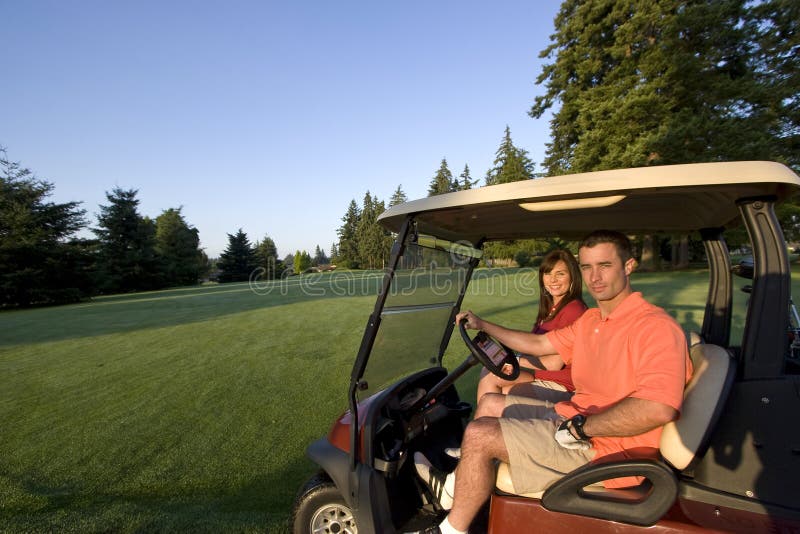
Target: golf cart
{"type": "Point", "coordinates": [731, 462]}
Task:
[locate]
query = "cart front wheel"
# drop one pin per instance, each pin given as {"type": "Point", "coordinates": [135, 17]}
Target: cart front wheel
{"type": "Point", "coordinates": [320, 508]}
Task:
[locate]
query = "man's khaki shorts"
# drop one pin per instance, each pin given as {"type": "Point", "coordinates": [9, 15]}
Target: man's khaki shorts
{"type": "Point", "coordinates": [535, 458]}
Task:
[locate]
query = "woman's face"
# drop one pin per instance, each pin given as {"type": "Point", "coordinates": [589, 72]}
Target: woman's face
{"type": "Point", "coordinates": [557, 280]}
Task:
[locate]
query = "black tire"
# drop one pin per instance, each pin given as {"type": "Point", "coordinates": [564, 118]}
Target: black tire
{"type": "Point", "coordinates": [320, 507]}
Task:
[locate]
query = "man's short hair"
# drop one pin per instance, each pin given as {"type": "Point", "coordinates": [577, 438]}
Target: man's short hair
{"type": "Point", "coordinates": [619, 240]}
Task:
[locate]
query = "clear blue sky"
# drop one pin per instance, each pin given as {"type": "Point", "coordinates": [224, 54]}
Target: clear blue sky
{"type": "Point", "coordinates": [263, 115]}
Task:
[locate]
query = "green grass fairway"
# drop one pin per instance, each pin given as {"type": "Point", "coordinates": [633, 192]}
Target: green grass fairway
{"type": "Point", "coordinates": [190, 409]}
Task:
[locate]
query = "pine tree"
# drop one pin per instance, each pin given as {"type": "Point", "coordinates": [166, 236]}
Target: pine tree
{"type": "Point", "coordinates": [267, 258]}
{"type": "Point", "coordinates": [177, 244]}
{"type": "Point", "coordinates": [368, 245]}
{"type": "Point", "coordinates": [319, 257]}
{"type": "Point", "coordinates": [511, 164]}
{"type": "Point", "coordinates": [40, 260]}
{"type": "Point", "coordinates": [334, 253]}
{"type": "Point", "coordinates": [442, 182]}
{"type": "Point", "coordinates": [239, 260]}
{"type": "Point", "coordinates": [465, 181]}
{"type": "Point", "coordinates": [398, 197]}
{"type": "Point", "coordinates": [127, 259]}
{"type": "Point", "coordinates": [348, 244]}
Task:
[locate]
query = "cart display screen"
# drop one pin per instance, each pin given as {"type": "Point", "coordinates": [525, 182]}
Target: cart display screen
{"type": "Point", "coordinates": [495, 352]}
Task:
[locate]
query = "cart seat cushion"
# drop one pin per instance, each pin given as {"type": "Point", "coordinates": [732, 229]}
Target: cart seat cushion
{"type": "Point", "coordinates": [504, 484]}
{"type": "Point", "coordinates": [681, 440]}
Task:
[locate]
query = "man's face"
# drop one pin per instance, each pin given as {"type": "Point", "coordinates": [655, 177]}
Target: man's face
{"type": "Point", "coordinates": [603, 271]}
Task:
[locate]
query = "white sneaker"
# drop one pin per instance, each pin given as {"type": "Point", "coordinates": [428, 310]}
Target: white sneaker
{"type": "Point", "coordinates": [441, 484]}
{"type": "Point", "coordinates": [453, 452]}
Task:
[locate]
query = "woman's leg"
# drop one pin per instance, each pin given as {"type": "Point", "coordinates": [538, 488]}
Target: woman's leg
{"type": "Point", "coordinates": [491, 383]}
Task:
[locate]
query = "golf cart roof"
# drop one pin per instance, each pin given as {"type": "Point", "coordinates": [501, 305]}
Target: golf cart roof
{"type": "Point", "coordinates": [666, 199]}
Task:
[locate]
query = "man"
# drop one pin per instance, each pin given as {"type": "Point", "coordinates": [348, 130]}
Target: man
{"type": "Point", "coordinates": [630, 363]}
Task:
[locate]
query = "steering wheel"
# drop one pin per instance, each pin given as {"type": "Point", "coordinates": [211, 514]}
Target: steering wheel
{"type": "Point", "coordinates": [508, 356]}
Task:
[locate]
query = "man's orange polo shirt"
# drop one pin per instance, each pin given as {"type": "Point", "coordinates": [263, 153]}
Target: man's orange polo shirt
{"type": "Point", "coordinates": [637, 351]}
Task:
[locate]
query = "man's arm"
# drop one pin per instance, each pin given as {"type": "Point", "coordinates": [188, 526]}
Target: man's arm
{"type": "Point", "coordinates": [629, 417]}
{"type": "Point", "coordinates": [524, 342]}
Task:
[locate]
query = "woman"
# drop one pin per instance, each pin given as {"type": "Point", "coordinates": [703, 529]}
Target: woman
{"type": "Point", "coordinates": [560, 304]}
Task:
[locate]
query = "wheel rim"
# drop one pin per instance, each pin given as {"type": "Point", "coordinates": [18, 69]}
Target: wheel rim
{"type": "Point", "coordinates": [334, 519]}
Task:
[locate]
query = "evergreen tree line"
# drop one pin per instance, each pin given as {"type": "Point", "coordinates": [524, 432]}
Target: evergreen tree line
{"type": "Point", "coordinates": [364, 244]}
{"type": "Point", "coordinates": [42, 261]}
{"type": "Point", "coordinates": [242, 261]}
{"type": "Point", "coordinates": [511, 164]}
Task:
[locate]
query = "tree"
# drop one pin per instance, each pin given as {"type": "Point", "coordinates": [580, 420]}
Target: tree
{"type": "Point", "coordinates": [302, 261]}
{"type": "Point", "coordinates": [267, 258]}
{"type": "Point", "coordinates": [363, 243]}
{"type": "Point", "coordinates": [364, 233]}
{"type": "Point", "coordinates": [777, 30]}
{"type": "Point", "coordinates": [776, 26]}
{"type": "Point", "coordinates": [177, 245]}
{"type": "Point", "coordinates": [319, 257]}
{"type": "Point", "coordinates": [288, 261]}
{"type": "Point", "coordinates": [373, 240]}
{"type": "Point", "coordinates": [206, 265]}
{"type": "Point", "coordinates": [398, 197]}
{"type": "Point", "coordinates": [658, 83]}
{"type": "Point", "coordinates": [465, 181]}
{"type": "Point", "coordinates": [511, 164]}
{"type": "Point", "coordinates": [127, 259]}
{"type": "Point", "coordinates": [239, 260]}
{"type": "Point", "coordinates": [442, 182]}
{"type": "Point", "coordinates": [348, 244]}
{"type": "Point", "coordinates": [40, 260]}
{"type": "Point", "coordinates": [668, 82]}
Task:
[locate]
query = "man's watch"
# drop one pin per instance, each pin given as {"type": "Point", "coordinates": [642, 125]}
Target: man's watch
{"type": "Point", "coordinates": [577, 423]}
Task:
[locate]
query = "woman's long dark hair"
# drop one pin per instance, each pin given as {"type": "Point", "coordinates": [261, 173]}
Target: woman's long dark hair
{"type": "Point", "coordinates": [546, 311]}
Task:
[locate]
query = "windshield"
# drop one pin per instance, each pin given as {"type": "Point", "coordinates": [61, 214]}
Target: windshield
{"type": "Point", "coordinates": [424, 292]}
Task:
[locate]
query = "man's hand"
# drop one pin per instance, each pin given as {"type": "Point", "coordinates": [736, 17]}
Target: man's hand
{"type": "Point", "coordinates": [566, 439]}
{"type": "Point", "coordinates": [473, 321]}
